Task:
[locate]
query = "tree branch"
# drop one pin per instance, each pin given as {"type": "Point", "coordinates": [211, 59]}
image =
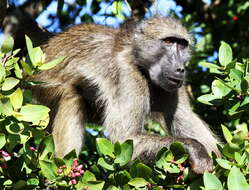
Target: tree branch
{"type": "Point", "coordinates": [139, 8]}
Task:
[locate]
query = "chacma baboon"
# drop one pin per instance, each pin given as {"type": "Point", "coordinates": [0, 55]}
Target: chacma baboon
{"type": "Point", "coordinates": [128, 72]}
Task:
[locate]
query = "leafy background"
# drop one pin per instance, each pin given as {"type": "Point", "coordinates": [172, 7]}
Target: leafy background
{"type": "Point", "coordinates": [218, 79]}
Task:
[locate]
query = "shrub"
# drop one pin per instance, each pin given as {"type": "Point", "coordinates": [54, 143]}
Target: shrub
{"type": "Point", "coordinates": [27, 153]}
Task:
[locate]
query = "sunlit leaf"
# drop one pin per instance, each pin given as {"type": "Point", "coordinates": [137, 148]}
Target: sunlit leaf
{"type": "Point", "coordinates": [105, 147]}
{"type": "Point", "coordinates": [2, 140]}
{"type": "Point", "coordinates": [6, 106]}
{"type": "Point", "coordinates": [219, 89]}
{"type": "Point", "coordinates": [227, 134]}
{"type": "Point", "coordinates": [52, 64]}
{"type": "Point", "coordinates": [125, 154]}
{"type": "Point", "coordinates": [225, 54]}
{"type": "Point", "coordinates": [10, 83]}
{"type": "Point", "coordinates": [8, 44]}
{"type": "Point", "coordinates": [236, 180]}
{"type": "Point", "coordinates": [138, 182]}
{"type": "Point", "coordinates": [209, 65]}
{"type": "Point", "coordinates": [211, 182]}
{"type": "Point", "coordinates": [2, 73]}
{"type": "Point", "coordinates": [16, 98]}
{"type": "Point", "coordinates": [224, 163]}
{"type": "Point", "coordinates": [105, 165]}
{"type": "Point", "coordinates": [33, 113]}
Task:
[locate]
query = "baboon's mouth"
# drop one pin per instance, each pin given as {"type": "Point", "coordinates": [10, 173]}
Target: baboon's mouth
{"type": "Point", "coordinates": [175, 81]}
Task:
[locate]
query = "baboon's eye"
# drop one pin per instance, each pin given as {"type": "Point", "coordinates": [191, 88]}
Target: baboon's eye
{"type": "Point", "coordinates": [181, 43]}
{"type": "Point", "coordinates": [170, 40]}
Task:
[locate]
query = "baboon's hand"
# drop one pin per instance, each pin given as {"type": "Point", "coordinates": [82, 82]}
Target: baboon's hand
{"type": "Point", "coordinates": [199, 159]}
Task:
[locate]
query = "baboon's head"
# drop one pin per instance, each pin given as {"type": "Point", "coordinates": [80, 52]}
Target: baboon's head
{"type": "Point", "coordinates": [162, 48]}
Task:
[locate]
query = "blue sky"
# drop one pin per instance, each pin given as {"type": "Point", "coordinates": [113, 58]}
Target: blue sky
{"type": "Point", "coordinates": [160, 7]}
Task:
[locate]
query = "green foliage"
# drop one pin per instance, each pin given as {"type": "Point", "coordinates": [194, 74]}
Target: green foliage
{"type": "Point", "coordinates": [230, 87]}
{"type": "Point", "coordinates": [27, 154]}
{"type": "Point", "coordinates": [24, 149]}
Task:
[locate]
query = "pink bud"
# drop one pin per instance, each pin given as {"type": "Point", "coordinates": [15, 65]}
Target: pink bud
{"type": "Point", "coordinates": [73, 182]}
{"type": "Point", "coordinates": [79, 167]}
{"type": "Point", "coordinates": [59, 171]}
{"type": "Point", "coordinates": [179, 179]}
{"type": "Point", "coordinates": [77, 174]}
{"type": "Point", "coordinates": [82, 171]}
{"type": "Point", "coordinates": [149, 185]}
{"type": "Point", "coordinates": [6, 155]}
{"type": "Point", "coordinates": [172, 161]}
{"type": "Point", "coordinates": [72, 174]}
{"type": "Point", "coordinates": [181, 167]}
{"type": "Point", "coordinates": [32, 148]}
{"type": "Point", "coordinates": [75, 163]}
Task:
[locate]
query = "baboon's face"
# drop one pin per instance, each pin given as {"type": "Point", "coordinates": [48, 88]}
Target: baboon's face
{"type": "Point", "coordinates": [165, 60]}
{"type": "Point", "coordinates": [161, 47]}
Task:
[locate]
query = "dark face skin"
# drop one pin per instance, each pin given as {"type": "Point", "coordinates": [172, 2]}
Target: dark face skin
{"type": "Point", "coordinates": [165, 59]}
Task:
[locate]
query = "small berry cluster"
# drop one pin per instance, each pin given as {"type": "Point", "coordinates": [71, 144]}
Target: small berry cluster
{"type": "Point", "coordinates": [180, 178]}
{"type": "Point", "coordinates": [75, 171]}
{"type": "Point", "coordinates": [5, 156]}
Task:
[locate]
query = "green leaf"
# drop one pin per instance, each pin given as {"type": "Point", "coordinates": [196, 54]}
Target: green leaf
{"type": "Point", "coordinates": [29, 44]}
{"type": "Point", "coordinates": [224, 163]}
{"type": "Point", "coordinates": [95, 185]}
{"type": "Point", "coordinates": [208, 99]}
{"type": "Point", "coordinates": [233, 107]}
{"type": "Point", "coordinates": [33, 113]}
{"type": "Point", "coordinates": [141, 170]}
{"type": "Point", "coordinates": [125, 154]}
{"type": "Point", "coordinates": [112, 188]}
{"type": "Point", "coordinates": [48, 144]}
{"type": "Point", "coordinates": [6, 106]}
{"type": "Point", "coordinates": [8, 44]}
{"type": "Point", "coordinates": [236, 180]}
{"type": "Point", "coordinates": [37, 56]}
{"type": "Point", "coordinates": [10, 83]}
{"type": "Point", "coordinates": [211, 182]}
{"type": "Point", "coordinates": [227, 134]}
{"type": "Point", "coordinates": [209, 65]}
{"type": "Point", "coordinates": [88, 176]}
{"type": "Point", "coordinates": [20, 184]}
{"type": "Point", "coordinates": [105, 147]}
{"type": "Point", "coordinates": [225, 54]}
{"type": "Point", "coordinates": [117, 10]}
{"type": "Point", "coordinates": [47, 170]}
{"type": "Point", "coordinates": [2, 140]}
{"type": "Point", "coordinates": [33, 181]}
{"type": "Point", "coordinates": [236, 75]}
{"type": "Point", "coordinates": [238, 158]}
{"type": "Point", "coordinates": [18, 71]}
{"type": "Point", "coordinates": [219, 89]}
{"type": "Point", "coordinates": [15, 128]}
{"type": "Point", "coordinates": [138, 182]}
{"type": "Point", "coordinates": [2, 73]}
{"type": "Point", "coordinates": [177, 149]}
{"type": "Point", "coordinates": [105, 165]}
{"type": "Point", "coordinates": [52, 64]}
{"type": "Point", "coordinates": [16, 98]}
{"type": "Point", "coordinates": [27, 68]}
